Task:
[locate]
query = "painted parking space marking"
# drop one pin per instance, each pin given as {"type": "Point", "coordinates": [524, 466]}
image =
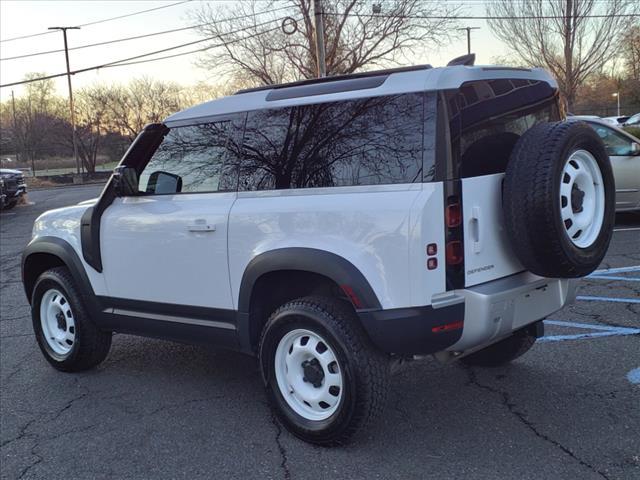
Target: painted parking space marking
{"type": "Point", "coordinates": [634, 376]}
{"type": "Point", "coordinates": [613, 277]}
{"type": "Point", "coordinates": [631, 229]}
{"type": "Point", "coordinates": [589, 298]}
{"type": "Point", "coordinates": [600, 331]}
{"type": "Point", "coordinates": [635, 268]}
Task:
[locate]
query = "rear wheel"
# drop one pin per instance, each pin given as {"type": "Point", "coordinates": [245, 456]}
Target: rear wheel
{"type": "Point", "coordinates": [65, 332]}
{"type": "Point", "coordinates": [324, 378]}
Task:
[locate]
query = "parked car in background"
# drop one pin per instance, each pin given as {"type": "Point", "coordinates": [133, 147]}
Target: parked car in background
{"type": "Point", "coordinates": [3, 196]}
{"type": "Point", "coordinates": [616, 120]}
{"type": "Point", "coordinates": [624, 152]}
{"type": "Point", "coordinates": [633, 120]}
{"type": "Point", "coordinates": [13, 187]}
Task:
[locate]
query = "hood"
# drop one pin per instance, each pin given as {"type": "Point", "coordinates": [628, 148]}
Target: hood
{"type": "Point", "coordinates": [91, 201]}
{"type": "Point", "coordinates": [10, 171]}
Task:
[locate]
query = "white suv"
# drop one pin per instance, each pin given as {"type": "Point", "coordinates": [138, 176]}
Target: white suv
{"type": "Point", "coordinates": [330, 226]}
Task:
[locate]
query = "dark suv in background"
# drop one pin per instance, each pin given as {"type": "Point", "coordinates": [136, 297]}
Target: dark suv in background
{"type": "Point", "coordinates": [12, 187]}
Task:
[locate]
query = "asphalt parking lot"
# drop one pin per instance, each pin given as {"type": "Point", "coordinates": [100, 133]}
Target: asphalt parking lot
{"type": "Point", "coordinates": [569, 409]}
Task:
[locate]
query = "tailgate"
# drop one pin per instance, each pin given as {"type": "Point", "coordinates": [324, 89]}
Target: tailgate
{"type": "Point", "coordinates": [487, 250]}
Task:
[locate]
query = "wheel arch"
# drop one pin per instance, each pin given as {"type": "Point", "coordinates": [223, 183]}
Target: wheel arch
{"type": "Point", "coordinates": [280, 275]}
{"type": "Point", "coordinates": [48, 252]}
{"type": "Point", "coordinates": [320, 262]}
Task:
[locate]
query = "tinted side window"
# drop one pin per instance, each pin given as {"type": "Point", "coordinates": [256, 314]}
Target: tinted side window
{"type": "Point", "coordinates": [488, 118]}
{"type": "Point", "coordinates": [196, 158]}
{"type": "Point", "coordinates": [367, 141]}
{"type": "Point", "coordinates": [615, 143]}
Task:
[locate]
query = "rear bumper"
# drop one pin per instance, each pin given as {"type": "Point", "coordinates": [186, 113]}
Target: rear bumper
{"type": "Point", "coordinates": [468, 319]}
{"type": "Point", "coordinates": [496, 309]}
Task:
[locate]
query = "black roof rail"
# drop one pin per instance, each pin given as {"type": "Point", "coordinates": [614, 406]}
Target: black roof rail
{"type": "Point", "coordinates": [335, 78]}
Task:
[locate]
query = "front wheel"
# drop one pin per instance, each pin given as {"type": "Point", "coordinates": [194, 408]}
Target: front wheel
{"type": "Point", "coordinates": [323, 376]}
{"type": "Point", "coordinates": [66, 334]}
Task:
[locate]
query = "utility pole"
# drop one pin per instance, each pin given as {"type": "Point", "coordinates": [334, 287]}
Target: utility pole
{"type": "Point", "coordinates": [468, 29]}
{"type": "Point", "coordinates": [73, 114]}
{"type": "Point", "coordinates": [317, 11]}
{"type": "Point", "coordinates": [15, 126]}
{"type": "Point", "coordinates": [617, 95]}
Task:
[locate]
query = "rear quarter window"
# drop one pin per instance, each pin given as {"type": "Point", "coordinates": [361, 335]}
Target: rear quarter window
{"type": "Point", "coordinates": [370, 141]}
{"type": "Point", "coordinates": [488, 117]}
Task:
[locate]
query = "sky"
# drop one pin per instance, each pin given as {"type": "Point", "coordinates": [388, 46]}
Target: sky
{"type": "Point", "coordinates": [24, 17]}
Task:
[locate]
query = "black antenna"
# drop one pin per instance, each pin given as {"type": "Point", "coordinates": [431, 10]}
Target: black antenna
{"type": "Point", "coordinates": [467, 60]}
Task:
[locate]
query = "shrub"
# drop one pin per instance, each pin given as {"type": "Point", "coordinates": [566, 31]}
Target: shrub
{"type": "Point", "coordinates": [635, 131]}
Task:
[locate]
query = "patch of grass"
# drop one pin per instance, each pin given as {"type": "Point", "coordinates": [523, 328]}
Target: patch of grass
{"type": "Point", "coordinates": [635, 131]}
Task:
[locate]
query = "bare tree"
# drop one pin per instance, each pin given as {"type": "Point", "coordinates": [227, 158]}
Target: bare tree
{"type": "Point", "coordinates": [573, 39]}
{"type": "Point", "coordinates": [142, 101]}
{"type": "Point", "coordinates": [256, 50]}
{"type": "Point", "coordinates": [631, 52]}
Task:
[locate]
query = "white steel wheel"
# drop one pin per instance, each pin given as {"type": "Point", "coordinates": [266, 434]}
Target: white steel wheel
{"type": "Point", "coordinates": [56, 319]}
{"type": "Point", "coordinates": [582, 198]}
{"type": "Point", "coordinates": [308, 374]}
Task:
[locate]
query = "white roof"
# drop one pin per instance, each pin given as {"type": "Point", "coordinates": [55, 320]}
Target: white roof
{"type": "Point", "coordinates": [430, 79]}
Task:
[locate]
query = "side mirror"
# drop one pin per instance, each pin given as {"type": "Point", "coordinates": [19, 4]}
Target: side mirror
{"type": "Point", "coordinates": [164, 182]}
{"type": "Point", "coordinates": [635, 148]}
{"type": "Point", "coordinates": [125, 181]}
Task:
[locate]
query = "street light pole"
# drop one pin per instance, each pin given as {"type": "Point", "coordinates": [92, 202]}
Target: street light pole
{"type": "Point", "coordinates": [73, 114]}
{"type": "Point", "coordinates": [468, 29]}
{"type": "Point", "coordinates": [617, 95]}
{"type": "Point", "coordinates": [320, 54]}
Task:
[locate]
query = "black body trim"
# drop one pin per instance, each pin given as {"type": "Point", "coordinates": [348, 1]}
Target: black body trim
{"type": "Point", "coordinates": [330, 265]}
{"type": "Point", "coordinates": [326, 88]}
{"type": "Point", "coordinates": [183, 323]}
{"type": "Point", "coordinates": [66, 253]}
{"type": "Point", "coordinates": [335, 78]}
{"type": "Point", "coordinates": [408, 331]}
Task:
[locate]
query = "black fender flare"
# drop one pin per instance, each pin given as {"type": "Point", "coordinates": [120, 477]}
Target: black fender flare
{"type": "Point", "coordinates": [322, 262]}
{"type": "Point", "coordinates": [66, 253]}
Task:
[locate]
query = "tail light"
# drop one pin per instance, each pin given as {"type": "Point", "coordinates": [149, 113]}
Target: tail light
{"type": "Point", "coordinates": [453, 214]}
{"type": "Point", "coordinates": [454, 252]}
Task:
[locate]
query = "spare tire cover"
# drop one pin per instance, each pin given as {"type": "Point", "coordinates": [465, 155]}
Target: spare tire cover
{"type": "Point", "coordinates": [559, 199]}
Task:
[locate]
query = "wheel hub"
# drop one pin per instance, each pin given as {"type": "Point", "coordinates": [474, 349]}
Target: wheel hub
{"type": "Point", "coordinates": [313, 372]}
{"type": "Point", "coordinates": [62, 324]}
{"type": "Point", "coordinates": [577, 199]}
{"type": "Point", "coordinates": [57, 322]}
{"type": "Point", "coordinates": [308, 374]}
{"type": "Point", "coordinates": [582, 198]}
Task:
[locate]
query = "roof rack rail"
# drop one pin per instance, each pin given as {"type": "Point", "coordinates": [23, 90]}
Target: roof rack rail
{"type": "Point", "coordinates": [336, 78]}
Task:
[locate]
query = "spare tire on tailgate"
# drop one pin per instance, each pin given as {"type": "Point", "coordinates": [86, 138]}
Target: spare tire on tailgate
{"type": "Point", "coordinates": [559, 199]}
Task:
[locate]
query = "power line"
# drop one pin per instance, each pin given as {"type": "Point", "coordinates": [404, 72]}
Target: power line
{"type": "Point", "coordinates": [101, 21]}
{"type": "Point", "coordinates": [136, 37]}
{"type": "Point", "coordinates": [484, 17]}
{"type": "Point", "coordinates": [130, 60]}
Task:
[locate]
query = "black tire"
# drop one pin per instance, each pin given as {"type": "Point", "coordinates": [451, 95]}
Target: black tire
{"type": "Point", "coordinates": [502, 352]}
{"type": "Point", "coordinates": [90, 346]}
{"type": "Point", "coordinates": [365, 370]}
{"type": "Point", "coordinates": [532, 203]}
{"type": "Point", "coordinates": [10, 204]}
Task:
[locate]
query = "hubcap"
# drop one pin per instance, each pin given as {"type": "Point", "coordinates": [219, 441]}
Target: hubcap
{"type": "Point", "coordinates": [56, 319]}
{"type": "Point", "coordinates": [308, 374]}
{"type": "Point", "coordinates": [582, 198]}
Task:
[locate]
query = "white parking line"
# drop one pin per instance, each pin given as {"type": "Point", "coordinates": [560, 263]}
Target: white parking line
{"type": "Point", "coordinates": [635, 268]}
{"type": "Point", "coordinates": [631, 229]}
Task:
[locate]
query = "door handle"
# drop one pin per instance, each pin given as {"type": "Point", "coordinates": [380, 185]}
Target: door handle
{"type": "Point", "coordinates": [201, 225]}
{"type": "Point", "coordinates": [475, 229]}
